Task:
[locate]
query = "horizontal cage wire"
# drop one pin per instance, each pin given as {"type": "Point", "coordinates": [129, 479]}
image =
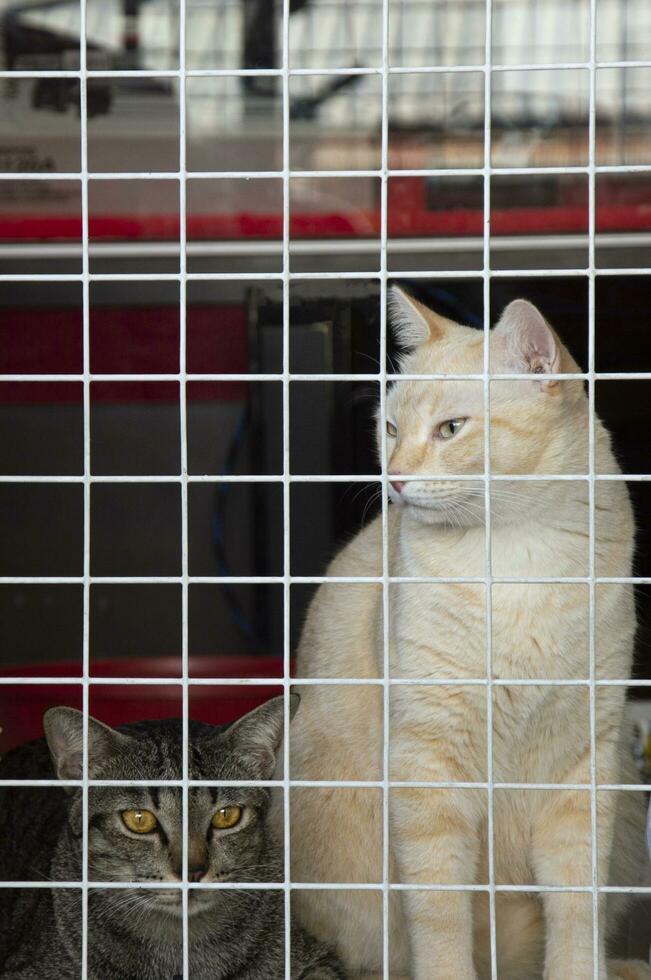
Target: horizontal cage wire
{"type": "Point", "coordinates": [399, 54]}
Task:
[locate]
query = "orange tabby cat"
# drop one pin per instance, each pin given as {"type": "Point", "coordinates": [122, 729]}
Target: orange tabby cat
{"type": "Point", "coordinates": [539, 631]}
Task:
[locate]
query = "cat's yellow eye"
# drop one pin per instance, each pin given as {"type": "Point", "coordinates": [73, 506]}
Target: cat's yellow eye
{"type": "Point", "coordinates": [451, 427]}
{"type": "Point", "coordinates": [227, 817]}
{"type": "Point", "coordinates": [391, 430]}
{"type": "Point", "coordinates": [139, 821]}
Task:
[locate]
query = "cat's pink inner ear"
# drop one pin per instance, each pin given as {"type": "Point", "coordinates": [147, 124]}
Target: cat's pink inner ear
{"type": "Point", "coordinates": [413, 323]}
{"type": "Point", "coordinates": [523, 342]}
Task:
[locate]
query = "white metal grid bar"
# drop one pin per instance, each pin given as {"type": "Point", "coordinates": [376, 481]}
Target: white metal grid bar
{"type": "Point", "coordinates": [326, 478]}
{"type": "Point", "coordinates": [83, 119]}
{"type": "Point", "coordinates": [592, 110]}
{"type": "Point", "coordinates": [357, 173]}
{"type": "Point", "coordinates": [286, 484]}
{"type": "Point", "coordinates": [488, 627]}
{"type": "Point", "coordinates": [299, 276]}
{"type": "Point", "coordinates": [578, 376]}
{"type": "Point", "coordinates": [333, 886]}
{"type": "Point", "coordinates": [305, 580]}
{"type": "Point", "coordinates": [183, 428]}
{"type": "Point", "coordinates": [309, 276]}
{"type": "Point", "coordinates": [147, 681]}
{"type": "Point", "coordinates": [334, 784]}
{"type": "Point", "coordinates": [386, 607]}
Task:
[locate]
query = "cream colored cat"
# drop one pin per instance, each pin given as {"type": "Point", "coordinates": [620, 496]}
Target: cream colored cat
{"type": "Point", "coordinates": [438, 631]}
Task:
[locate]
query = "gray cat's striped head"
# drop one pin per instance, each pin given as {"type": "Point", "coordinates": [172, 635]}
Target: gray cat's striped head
{"type": "Point", "coordinates": [135, 832]}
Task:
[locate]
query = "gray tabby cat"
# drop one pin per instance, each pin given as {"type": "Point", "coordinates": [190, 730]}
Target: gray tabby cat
{"type": "Point", "coordinates": [135, 834]}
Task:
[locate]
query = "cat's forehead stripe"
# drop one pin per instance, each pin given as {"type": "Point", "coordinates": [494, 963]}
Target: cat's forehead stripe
{"type": "Point", "coordinates": [162, 758]}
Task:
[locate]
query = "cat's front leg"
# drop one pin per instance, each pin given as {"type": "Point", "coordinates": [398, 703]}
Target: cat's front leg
{"type": "Point", "coordinates": [562, 855]}
{"type": "Point", "coordinates": [312, 960]}
{"type": "Point", "coordinates": [435, 840]}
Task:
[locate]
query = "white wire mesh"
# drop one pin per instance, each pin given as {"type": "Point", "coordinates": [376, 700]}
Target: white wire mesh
{"type": "Point", "coordinates": [387, 24]}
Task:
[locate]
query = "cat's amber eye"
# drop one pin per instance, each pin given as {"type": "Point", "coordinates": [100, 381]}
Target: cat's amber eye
{"type": "Point", "coordinates": [450, 428]}
{"type": "Point", "coordinates": [227, 817]}
{"type": "Point", "coordinates": [391, 430]}
{"type": "Point", "coordinates": [139, 821]}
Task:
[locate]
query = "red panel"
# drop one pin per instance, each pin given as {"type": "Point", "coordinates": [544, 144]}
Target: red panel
{"type": "Point", "coordinates": [159, 227]}
{"type": "Point", "coordinates": [134, 339]}
{"type": "Point", "coordinates": [50, 228]}
{"type": "Point", "coordinates": [133, 392]}
{"type": "Point", "coordinates": [219, 227]}
{"type": "Point", "coordinates": [123, 340]}
{"type": "Point", "coordinates": [37, 340]}
{"type": "Point", "coordinates": [41, 393]}
{"type": "Point", "coordinates": [115, 705]}
{"type": "Point", "coordinates": [217, 340]}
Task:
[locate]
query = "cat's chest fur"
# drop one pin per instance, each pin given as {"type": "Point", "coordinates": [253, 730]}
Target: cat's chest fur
{"type": "Point", "coordinates": [537, 629]}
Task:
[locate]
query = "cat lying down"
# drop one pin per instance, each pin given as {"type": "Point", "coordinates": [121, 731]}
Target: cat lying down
{"type": "Point", "coordinates": [135, 834]}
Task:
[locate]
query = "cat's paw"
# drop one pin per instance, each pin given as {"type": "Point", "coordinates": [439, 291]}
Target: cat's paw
{"type": "Point", "coordinates": [628, 970]}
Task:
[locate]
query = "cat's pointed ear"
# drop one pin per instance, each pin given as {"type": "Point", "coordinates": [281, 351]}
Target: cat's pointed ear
{"type": "Point", "coordinates": [257, 737]}
{"type": "Point", "coordinates": [413, 323]}
{"type": "Point", "coordinates": [64, 733]}
{"type": "Point", "coordinates": [524, 343]}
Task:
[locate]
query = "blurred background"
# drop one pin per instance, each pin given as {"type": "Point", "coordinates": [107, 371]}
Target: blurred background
{"type": "Point", "coordinates": [539, 221]}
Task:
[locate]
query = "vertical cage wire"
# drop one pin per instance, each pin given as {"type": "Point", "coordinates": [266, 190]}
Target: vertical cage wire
{"type": "Point", "coordinates": [287, 577]}
{"type": "Point", "coordinates": [85, 260]}
{"type": "Point", "coordinates": [386, 626]}
{"type": "Point", "coordinates": [488, 559]}
{"type": "Point", "coordinates": [183, 428]}
{"type": "Point", "coordinates": [591, 472]}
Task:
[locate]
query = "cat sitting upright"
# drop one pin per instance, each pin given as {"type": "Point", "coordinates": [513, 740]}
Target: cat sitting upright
{"type": "Point", "coordinates": [135, 834]}
{"type": "Point", "coordinates": [437, 632]}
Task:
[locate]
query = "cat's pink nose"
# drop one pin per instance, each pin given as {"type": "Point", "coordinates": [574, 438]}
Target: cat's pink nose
{"type": "Point", "coordinates": [196, 874]}
{"type": "Point", "coordinates": [396, 484]}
